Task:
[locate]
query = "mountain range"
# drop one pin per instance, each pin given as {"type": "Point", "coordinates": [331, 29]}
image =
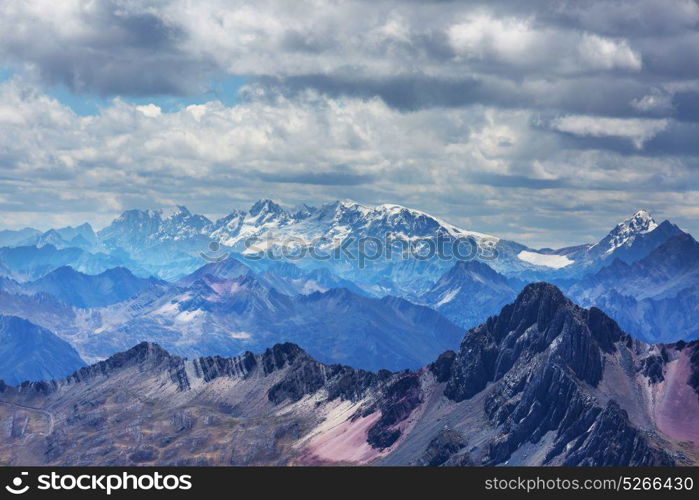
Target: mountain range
{"type": "Point", "coordinates": [226, 308]}
{"type": "Point", "coordinates": [168, 243]}
{"type": "Point", "coordinates": [544, 382]}
{"type": "Point", "coordinates": [365, 313]}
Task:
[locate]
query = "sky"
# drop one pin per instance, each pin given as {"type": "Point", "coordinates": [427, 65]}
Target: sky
{"type": "Point", "coordinates": [546, 122]}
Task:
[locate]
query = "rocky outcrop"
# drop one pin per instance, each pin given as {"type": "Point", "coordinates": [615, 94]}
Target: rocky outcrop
{"type": "Point", "coordinates": [653, 366]}
{"type": "Point", "coordinates": [396, 403]}
{"type": "Point", "coordinates": [443, 448]}
{"type": "Point", "coordinates": [146, 355]}
{"type": "Point", "coordinates": [612, 440]}
{"type": "Point", "coordinates": [442, 368]}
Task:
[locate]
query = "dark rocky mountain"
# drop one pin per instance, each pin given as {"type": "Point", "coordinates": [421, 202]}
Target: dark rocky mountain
{"type": "Point", "coordinates": [29, 352]}
{"type": "Point", "coordinates": [84, 290]}
{"type": "Point", "coordinates": [655, 298]}
{"type": "Point", "coordinates": [470, 292]}
{"type": "Point", "coordinates": [544, 382]}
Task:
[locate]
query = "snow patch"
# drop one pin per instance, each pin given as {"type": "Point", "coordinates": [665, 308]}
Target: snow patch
{"type": "Point", "coordinates": [541, 259]}
{"type": "Point", "coordinates": [448, 297]}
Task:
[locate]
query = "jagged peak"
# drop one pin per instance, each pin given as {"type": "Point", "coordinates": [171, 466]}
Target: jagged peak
{"type": "Point", "coordinates": [639, 223]}
{"type": "Point", "coordinates": [540, 291]}
{"type": "Point", "coordinates": [267, 206]}
{"type": "Point", "coordinates": [642, 221]}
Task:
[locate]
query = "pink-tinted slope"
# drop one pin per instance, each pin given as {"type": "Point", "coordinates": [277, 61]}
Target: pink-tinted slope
{"type": "Point", "coordinates": [678, 405]}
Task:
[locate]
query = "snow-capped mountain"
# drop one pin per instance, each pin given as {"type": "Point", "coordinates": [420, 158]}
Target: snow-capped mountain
{"type": "Point", "coordinates": [171, 243]}
{"type": "Point", "coordinates": [332, 224]}
{"type": "Point", "coordinates": [137, 231]}
{"type": "Point", "coordinates": [634, 238]}
{"type": "Point", "coordinates": [165, 242]}
{"type": "Point", "coordinates": [626, 232]}
{"type": "Point", "coordinates": [629, 241]}
{"type": "Point", "coordinates": [343, 230]}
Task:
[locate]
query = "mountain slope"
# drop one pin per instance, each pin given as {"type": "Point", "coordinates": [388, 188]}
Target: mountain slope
{"type": "Point", "coordinates": [543, 383]}
{"type": "Point", "coordinates": [29, 352]}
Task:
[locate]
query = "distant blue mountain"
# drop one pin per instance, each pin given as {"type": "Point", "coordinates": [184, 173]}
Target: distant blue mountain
{"type": "Point", "coordinates": [285, 277]}
{"type": "Point", "coordinates": [20, 237]}
{"type": "Point", "coordinates": [214, 315]}
{"type": "Point", "coordinates": [656, 298]}
{"type": "Point", "coordinates": [27, 263]}
{"type": "Point", "coordinates": [84, 290]}
{"type": "Point", "coordinates": [470, 292]}
{"type": "Point", "coordinates": [29, 352]}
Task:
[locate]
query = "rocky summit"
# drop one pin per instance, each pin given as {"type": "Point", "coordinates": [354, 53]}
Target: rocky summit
{"type": "Point", "coordinates": [544, 382]}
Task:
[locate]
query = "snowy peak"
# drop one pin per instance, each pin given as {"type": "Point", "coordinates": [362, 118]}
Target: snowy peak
{"type": "Point", "coordinates": [626, 232]}
{"type": "Point", "coordinates": [641, 222]}
{"type": "Point", "coordinates": [136, 230]}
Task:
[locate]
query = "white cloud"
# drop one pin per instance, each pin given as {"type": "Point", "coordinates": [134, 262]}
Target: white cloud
{"type": "Point", "coordinates": [149, 110]}
{"type": "Point", "coordinates": [656, 101]}
{"type": "Point", "coordinates": [520, 43]}
{"type": "Point", "coordinates": [637, 130]}
{"type": "Point", "coordinates": [606, 54]}
{"type": "Point", "coordinates": [483, 37]}
{"type": "Point", "coordinates": [474, 166]}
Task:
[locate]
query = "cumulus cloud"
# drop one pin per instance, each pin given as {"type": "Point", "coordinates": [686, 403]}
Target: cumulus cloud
{"type": "Point", "coordinates": [636, 130]}
{"type": "Point", "coordinates": [519, 43]}
{"type": "Point", "coordinates": [153, 47]}
{"type": "Point", "coordinates": [474, 166]}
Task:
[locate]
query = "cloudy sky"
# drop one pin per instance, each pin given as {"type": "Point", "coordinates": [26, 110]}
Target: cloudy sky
{"type": "Point", "coordinates": [542, 121]}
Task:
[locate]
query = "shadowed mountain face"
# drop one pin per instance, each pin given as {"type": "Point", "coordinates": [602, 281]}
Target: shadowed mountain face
{"type": "Point", "coordinates": [544, 382]}
{"type": "Point", "coordinates": [29, 352]}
